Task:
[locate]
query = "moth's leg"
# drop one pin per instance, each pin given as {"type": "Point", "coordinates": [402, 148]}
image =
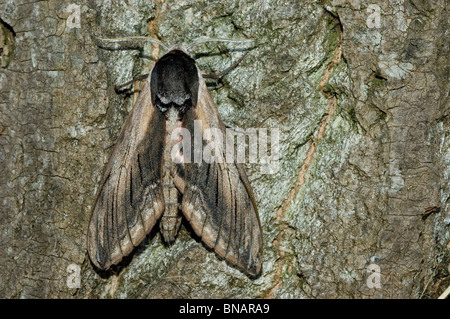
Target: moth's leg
{"type": "Point", "coordinates": [219, 75]}
{"type": "Point", "coordinates": [137, 78]}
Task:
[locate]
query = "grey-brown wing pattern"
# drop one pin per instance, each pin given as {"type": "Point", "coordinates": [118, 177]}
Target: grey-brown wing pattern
{"type": "Point", "coordinates": [218, 201]}
{"type": "Point", "coordinates": [130, 199]}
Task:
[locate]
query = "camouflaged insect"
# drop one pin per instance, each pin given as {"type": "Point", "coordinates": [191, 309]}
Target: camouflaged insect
{"type": "Point", "coordinates": [143, 184]}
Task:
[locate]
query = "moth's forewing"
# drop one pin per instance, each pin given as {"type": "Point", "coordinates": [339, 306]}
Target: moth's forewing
{"type": "Point", "coordinates": [130, 198]}
{"type": "Point", "coordinates": [218, 201]}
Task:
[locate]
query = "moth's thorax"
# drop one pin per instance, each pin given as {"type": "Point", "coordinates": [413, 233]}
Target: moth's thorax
{"type": "Point", "coordinates": [172, 124]}
{"type": "Point", "coordinates": [174, 82]}
{"type": "Point", "coordinates": [172, 118]}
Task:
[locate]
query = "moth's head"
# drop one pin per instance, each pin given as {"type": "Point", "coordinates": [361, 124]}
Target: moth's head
{"type": "Point", "coordinates": [175, 77]}
{"type": "Point", "coordinates": [174, 82]}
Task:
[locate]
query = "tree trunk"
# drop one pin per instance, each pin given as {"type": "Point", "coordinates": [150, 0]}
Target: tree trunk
{"type": "Point", "coordinates": [359, 207]}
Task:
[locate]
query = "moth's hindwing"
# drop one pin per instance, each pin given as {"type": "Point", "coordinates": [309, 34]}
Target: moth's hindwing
{"type": "Point", "coordinates": [130, 199]}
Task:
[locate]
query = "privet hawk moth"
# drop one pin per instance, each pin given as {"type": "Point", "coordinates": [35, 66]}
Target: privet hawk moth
{"type": "Point", "coordinates": [143, 184]}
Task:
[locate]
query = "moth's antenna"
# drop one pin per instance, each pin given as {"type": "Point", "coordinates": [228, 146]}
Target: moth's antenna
{"type": "Point", "coordinates": [144, 39]}
{"type": "Point", "coordinates": [204, 40]}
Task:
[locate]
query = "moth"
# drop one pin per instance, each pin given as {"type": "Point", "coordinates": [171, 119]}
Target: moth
{"type": "Point", "coordinates": [143, 184]}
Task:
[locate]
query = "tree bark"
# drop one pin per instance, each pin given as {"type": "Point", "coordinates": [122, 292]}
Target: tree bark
{"type": "Point", "coordinates": [358, 91]}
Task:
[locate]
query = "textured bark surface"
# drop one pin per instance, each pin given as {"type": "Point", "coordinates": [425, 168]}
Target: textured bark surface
{"type": "Point", "coordinates": [358, 91]}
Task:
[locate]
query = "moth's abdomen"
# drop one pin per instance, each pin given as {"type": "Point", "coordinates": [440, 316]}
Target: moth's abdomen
{"type": "Point", "coordinates": [171, 219]}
